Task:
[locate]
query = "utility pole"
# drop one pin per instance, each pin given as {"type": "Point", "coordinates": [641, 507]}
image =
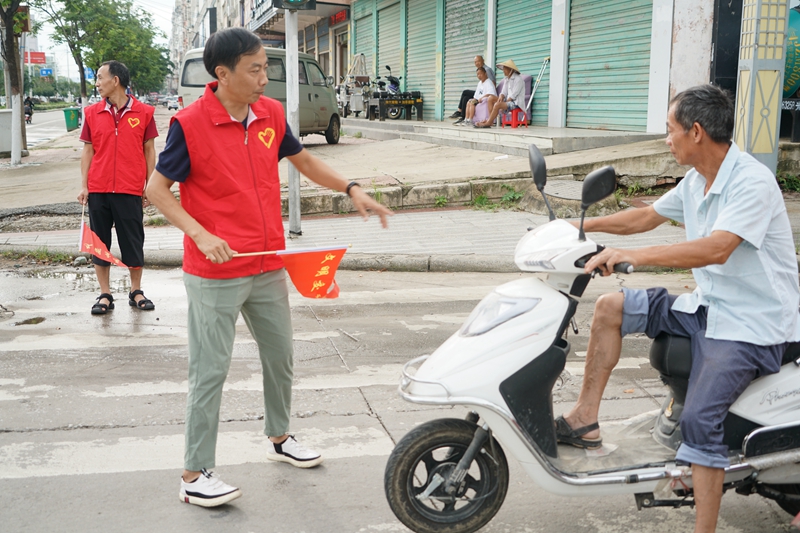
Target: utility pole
{"type": "Point", "coordinates": [293, 115]}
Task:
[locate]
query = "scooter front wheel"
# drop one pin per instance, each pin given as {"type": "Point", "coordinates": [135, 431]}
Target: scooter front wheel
{"type": "Point", "coordinates": [394, 112]}
{"type": "Point", "coordinates": [428, 454]}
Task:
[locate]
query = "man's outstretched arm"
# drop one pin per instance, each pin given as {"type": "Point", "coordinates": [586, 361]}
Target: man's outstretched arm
{"type": "Point", "coordinates": [712, 250]}
{"type": "Point", "coordinates": [626, 222]}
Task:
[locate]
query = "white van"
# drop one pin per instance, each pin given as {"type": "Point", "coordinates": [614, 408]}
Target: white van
{"type": "Point", "coordinates": [318, 110]}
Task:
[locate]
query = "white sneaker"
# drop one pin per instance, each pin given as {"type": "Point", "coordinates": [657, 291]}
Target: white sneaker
{"type": "Point", "coordinates": [292, 452]}
{"type": "Point", "coordinates": [467, 122]}
{"type": "Point", "coordinates": [207, 490]}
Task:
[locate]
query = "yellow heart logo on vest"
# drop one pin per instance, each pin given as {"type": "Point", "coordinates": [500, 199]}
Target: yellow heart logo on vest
{"type": "Point", "coordinates": [268, 133]}
{"type": "Point", "coordinates": [133, 122]}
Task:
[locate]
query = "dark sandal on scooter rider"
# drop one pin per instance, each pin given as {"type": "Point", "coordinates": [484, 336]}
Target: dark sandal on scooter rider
{"type": "Point", "coordinates": [100, 308]}
{"type": "Point", "coordinates": [566, 435]}
{"type": "Point", "coordinates": [144, 304]}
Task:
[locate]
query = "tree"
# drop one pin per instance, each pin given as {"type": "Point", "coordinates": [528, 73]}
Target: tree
{"type": "Point", "coordinates": [131, 40]}
{"type": "Point", "coordinates": [10, 51]}
{"type": "Point", "coordinates": [76, 23]}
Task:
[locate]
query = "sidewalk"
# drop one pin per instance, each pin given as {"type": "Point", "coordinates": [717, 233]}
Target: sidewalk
{"type": "Point", "coordinates": [438, 240]}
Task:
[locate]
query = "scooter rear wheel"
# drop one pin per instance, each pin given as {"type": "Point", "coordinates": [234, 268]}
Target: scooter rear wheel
{"type": "Point", "coordinates": [394, 113]}
{"type": "Point", "coordinates": [436, 448]}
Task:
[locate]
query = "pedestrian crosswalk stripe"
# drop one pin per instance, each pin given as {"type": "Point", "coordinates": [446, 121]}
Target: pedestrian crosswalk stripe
{"type": "Point", "coordinates": [165, 452]}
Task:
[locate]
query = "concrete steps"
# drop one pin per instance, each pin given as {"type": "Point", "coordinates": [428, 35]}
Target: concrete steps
{"type": "Point", "coordinates": [501, 140]}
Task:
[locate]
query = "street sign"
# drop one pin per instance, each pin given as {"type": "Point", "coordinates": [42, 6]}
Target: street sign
{"type": "Point", "coordinates": [36, 58]}
{"type": "Point", "coordinates": [89, 73]}
{"type": "Point", "coordinates": [43, 72]}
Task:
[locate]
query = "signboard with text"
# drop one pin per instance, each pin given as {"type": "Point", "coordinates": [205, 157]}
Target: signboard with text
{"type": "Point", "coordinates": [44, 72]}
{"type": "Point", "coordinates": [35, 58]}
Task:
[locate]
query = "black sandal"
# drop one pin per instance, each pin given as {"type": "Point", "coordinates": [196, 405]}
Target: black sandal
{"type": "Point", "coordinates": [566, 435]}
{"type": "Point", "coordinates": [143, 304]}
{"type": "Point", "coordinates": [101, 309]}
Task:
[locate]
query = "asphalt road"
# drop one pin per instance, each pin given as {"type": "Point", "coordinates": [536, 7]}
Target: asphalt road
{"type": "Point", "coordinates": [92, 410]}
{"type": "Point", "coordinates": [46, 125]}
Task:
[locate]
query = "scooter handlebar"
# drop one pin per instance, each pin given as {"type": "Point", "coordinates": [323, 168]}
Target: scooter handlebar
{"type": "Point", "coordinates": [623, 268]}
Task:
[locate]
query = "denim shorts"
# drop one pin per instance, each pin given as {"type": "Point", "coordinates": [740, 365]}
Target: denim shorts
{"type": "Point", "coordinates": [729, 365]}
{"type": "Point", "coordinates": [511, 106]}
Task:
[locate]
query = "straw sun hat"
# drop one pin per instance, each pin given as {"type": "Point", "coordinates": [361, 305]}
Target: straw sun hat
{"type": "Point", "coordinates": [510, 64]}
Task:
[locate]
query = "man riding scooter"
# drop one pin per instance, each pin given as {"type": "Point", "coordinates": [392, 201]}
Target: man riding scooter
{"type": "Point", "coordinates": [744, 309]}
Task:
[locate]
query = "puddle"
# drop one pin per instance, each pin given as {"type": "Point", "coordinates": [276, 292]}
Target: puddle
{"type": "Point", "coordinates": [80, 280]}
{"type": "Point", "coordinates": [30, 321]}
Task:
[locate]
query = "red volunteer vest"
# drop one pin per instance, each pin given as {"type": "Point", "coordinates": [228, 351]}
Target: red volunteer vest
{"type": "Point", "coordinates": [118, 164]}
{"type": "Point", "coordinates": [233, 189]}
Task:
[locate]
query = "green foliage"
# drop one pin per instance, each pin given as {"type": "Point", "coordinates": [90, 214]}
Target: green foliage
{"type": "Point", "coordinates": [440, 201]}
{"type": "Point", "coordinates": [674, 223]}
{"type": "Point", "coordinates": [357, 135]}
{"type": "Point", "coordinates": [511, 196]}
{"type": "Point", "coordinates": [788, 182]}
{"type": "Point", "coordinates": [101, 30]}
{"type": "Point", "coordinates": [634, 189]}
{"type": "Point", "coordinates": [481, 201]}
{"type": "Point", "coordinates": [41, 255]}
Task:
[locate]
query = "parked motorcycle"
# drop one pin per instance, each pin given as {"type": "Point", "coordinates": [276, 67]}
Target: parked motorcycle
{"type": "Point", "coordinates": [393, 90]}
{"type": "Point", "coordinates": [503, 363]}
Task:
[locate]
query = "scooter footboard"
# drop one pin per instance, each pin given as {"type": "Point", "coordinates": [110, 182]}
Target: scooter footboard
{"type": "Point", "coordinates": [528, 394]}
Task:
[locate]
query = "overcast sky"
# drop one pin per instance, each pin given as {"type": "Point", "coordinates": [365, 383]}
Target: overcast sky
{"type": "Point", "coordinates": [159, 10]}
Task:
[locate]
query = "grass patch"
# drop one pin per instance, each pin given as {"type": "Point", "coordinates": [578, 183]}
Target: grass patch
{"type": "Point", "coordinates": [46, 106]}
{"type": "Point", "coordinates": [788, 182]}
{"type": "Point", "coordinates": [440, 201]}
{"type": "Point", "coordinates": [511, 196]}
{"type": "Point", "coordinates": [40, 255]}
{"type": "Point", "coordinates": [481, 201]}
{"type": "Point", "coordinates": [157, 221]}
{"type": "Point", "coordinates": [357, 135]}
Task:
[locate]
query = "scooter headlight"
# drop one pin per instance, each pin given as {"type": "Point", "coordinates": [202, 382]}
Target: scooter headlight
{"type": "Point", "coordinates": [544, 258]}
{"type": "Point", "coordinates": [494, 310]}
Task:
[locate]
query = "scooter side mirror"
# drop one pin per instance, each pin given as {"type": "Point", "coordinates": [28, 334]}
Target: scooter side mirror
{"type": "Point", "coordinates": [539, 172]}
{"type": "Point", "coordinates": [329, 81]}
{"type": "Point", "coordinates": [538, 167]}
{"type": "Point", "coordinates": [388, 68]}
{"type": "Point", "coordinates": [598, 185]}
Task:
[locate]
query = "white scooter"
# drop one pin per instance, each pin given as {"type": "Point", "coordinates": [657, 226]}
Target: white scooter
{"type": "Point", "coordinates": [502, 364]}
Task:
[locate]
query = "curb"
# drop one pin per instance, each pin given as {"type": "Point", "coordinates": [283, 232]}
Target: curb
{"type": "Point", "coordinates": [352, 261]}
{"type": "Point", "coordinates": [394, 263]}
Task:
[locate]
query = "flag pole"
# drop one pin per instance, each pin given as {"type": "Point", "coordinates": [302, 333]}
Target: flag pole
{"type": "Point", "coordinates": [251, 254]}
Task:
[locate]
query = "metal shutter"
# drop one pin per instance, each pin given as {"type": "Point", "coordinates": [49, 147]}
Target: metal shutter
{"type": "Point", "coordinates": [609, 64]}
{"type": "Point", "coordinates": [310, 41]}
{"type": "Point", "coordinates": [364, 41]}
{"type": "Point", "coordinates": [323, 36]}
{"type": "Point", "coordinates": [421, 53]}
{"type": "Point", "coordinates": [465, 38]}
{"type": "Point", "coordinates": [389, 40]}
{"type": "Point", "coordinates": [523, 34]}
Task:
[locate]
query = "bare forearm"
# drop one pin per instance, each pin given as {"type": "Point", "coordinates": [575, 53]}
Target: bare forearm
{"type": "Point", "coordinates": [318, 171]}
{"type": "Point", "coordinates": [626, 222]}
{"type": "Point", "coordinates": [692, 254]}
{"type": "Point", "coordinates": [86, 160]}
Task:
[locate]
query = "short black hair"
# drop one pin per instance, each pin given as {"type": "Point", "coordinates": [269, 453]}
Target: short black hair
{"type": "Point", "coordinates": [227, 46]}
{"type": "Point", "coordinates": [480, 69]}
{"type": "Point", "coordinates": [118, 69]}
{"type": "Point", "coordinates": [709, 106]}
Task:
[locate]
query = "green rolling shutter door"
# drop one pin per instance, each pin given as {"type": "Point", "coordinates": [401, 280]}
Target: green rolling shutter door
{"type": "Point", "coordinates": [389, 40]}
{"type": "Point", "coordinates": [465, 38]}
{"type": "Point", "coordinates": [364, 41]}
{"type": "Point", "coordinates": [421, 53]}
{"type": "Point", "coordinates": [609, 64]}
{"type": "Point", "coordinates": [523, 34]}
{"type": "Point", "coordinates": [322, 36]}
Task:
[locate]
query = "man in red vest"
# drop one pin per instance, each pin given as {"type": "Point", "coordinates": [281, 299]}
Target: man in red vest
{"type": "Point", "coordinates": [224, 151]}
{"type": "Point", "coordinates": [118, 155]}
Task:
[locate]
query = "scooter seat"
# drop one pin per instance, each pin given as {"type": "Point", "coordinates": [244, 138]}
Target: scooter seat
{"type": "Point", "coordinates": [672, 355]}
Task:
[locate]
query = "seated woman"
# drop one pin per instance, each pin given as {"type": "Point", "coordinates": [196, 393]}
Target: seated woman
{"type": "Point", "coordinates": [511, 97]}
{"type": "Point", "coordinates": [484, 90]}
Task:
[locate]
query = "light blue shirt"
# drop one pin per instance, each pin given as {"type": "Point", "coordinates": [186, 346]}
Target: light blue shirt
{"type": "Point", "coordinates": [754, 296]}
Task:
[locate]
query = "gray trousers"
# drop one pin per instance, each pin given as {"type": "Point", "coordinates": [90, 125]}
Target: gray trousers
{"type": "Point", "coordinates": [214, 306]}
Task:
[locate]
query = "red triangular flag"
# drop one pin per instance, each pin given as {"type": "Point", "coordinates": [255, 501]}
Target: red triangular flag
{"type": "Point", "coordinates": [312, 271]}
{"type": "Point", "coordinates": [91, 243]}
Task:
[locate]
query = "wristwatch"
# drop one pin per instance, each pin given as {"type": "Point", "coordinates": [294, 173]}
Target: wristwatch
{"type": "Point", "coordinates": [350, 186]}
